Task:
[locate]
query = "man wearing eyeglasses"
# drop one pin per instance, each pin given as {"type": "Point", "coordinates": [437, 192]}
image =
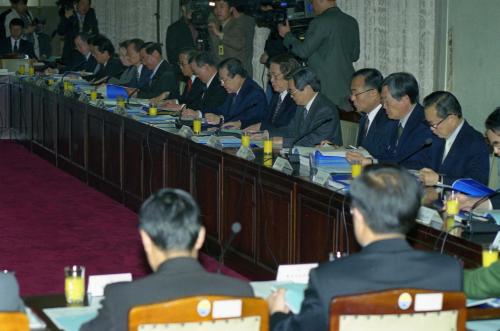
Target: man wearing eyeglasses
{"type": "Point", "coordinates": [462, 151]}
{"type": "Point", "coordinates": [411, 137]}
{"type": "Point", "coordinates": [374, 126]}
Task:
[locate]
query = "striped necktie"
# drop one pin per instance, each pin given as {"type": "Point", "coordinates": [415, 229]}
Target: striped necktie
{"type": "Point", "coordinates": [277, 110]}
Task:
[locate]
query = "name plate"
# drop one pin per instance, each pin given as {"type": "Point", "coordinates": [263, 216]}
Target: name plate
{"type": "Point", "coordinates": [186, 132]}
{"type": "Point", "coordinates": [214, 142]}
{"type": "Point", "coordinates": [321, 177]}
{"type": "Point", "coordinates": [245, 153]}
{"type": "Point", "coordinates": [282, 164]}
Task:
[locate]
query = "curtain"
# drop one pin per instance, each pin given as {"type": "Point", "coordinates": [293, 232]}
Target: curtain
{"type": "Point", "coordinates": [125, 19]}
{"type": "Point", "coordinates": [396, 35]}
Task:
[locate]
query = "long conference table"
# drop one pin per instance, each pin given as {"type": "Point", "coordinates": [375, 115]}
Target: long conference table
{"type": "Point", "coordinates": [285, 219]}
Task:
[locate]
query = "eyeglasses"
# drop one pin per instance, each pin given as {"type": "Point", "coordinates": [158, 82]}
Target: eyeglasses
{"type": "Point", "coordinates": [435, 126]}
{"type": "Point", "coordinates": [275, 77]}
{"type": "Point", "coordinates": [355, 95]}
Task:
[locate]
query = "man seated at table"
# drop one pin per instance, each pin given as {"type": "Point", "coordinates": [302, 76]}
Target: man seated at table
{"type": "Point", "coordinates": [411, 137]}
{"type": "Point", "coordinates": [214, 94]}
{"type": "Point", "coordinates": [172, 235]}
{"type": "Point", "coordinates": [163, 77]}
{"type": "Point", "coordinates": [109, 65]}
{"type": "Point", "coordinates": [384, 204]}
{"type": "Point", "coordinates": [86, 61]}
{"type": "Point", "coordinates": [281, 108]}
{"type": "Point", "coordinates": [462, 151]}
{"type": "Point", "coordinates": [316, 118]}
{"type": "Point", "coordinates": [14, 44]}
{"type": "Point", "coordinates": [9, 289]}
{"type": "Point", "coordinates": [374, 132]}
{"type": "Point", "coordinates": [246, 103]}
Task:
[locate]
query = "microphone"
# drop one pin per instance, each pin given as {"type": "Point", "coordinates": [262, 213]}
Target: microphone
{"type": "Point", "coordinates": [235, 229]}
{"type": "Point", "coordinates": [473, 226]}
{"type": "Point", "coordinates": [316, 127]}
{"type": "Point", "coordinates": [426, 144]}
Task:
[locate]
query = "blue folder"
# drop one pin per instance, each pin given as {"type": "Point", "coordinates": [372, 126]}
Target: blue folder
{"type": "Point", "coordinates": [114, 91]}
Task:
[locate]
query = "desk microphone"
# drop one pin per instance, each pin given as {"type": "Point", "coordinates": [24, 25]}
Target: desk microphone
{"type": "Point", "coordinates": [235, 229]}
{"type": "Point", "coordinates": [473, 226]}
{"type": "Point", "coordinates": [316, 127]}
{"type": "Point", "coordinates": [426, 144]}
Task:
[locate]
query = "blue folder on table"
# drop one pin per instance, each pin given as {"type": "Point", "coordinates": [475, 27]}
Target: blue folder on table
{"type": "Point", "coordinates": [471, 187]}
{"type": "Point", "coordinates": [114, 91]}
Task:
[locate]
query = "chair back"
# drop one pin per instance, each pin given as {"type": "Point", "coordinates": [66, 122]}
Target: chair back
{"type": "Point", "coordinates": [202, 313]}
{"type": "Point", "coordinates": [14, 321]}
{"type": "Point", "coordinates": [400, 309]}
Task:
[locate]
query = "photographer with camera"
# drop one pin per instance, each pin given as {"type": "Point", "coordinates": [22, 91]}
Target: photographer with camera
{"type": "Point", "coordinates": [232, 34]}
{"type": "Point", "coordinates": [76, 17]}
{"type": "Point", "coordinates": [181, 34]}
{"type": "Point", "coordinates": [330, 46]}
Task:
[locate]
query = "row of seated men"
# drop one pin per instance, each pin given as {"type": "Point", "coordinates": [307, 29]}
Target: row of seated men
{"type": "Point", "coordinates": [384, 202]}
{"type": "Point", "coordinates": [433, 138]}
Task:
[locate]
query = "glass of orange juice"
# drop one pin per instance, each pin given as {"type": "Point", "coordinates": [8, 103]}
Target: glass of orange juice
{"type": "Point", "coordinates": [490, 255]}
{"type": "Point", "coordinates": [74, 284]}
{"type": "Point", "coordinates": [356, 168]}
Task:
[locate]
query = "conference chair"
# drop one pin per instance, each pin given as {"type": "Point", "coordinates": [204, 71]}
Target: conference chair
{"type": "Point", "coordinates": [14, 321]}
{"type": "Point", "coordinates": [401, 309]}
{"type": "Point", "coordinates": [207, 313]}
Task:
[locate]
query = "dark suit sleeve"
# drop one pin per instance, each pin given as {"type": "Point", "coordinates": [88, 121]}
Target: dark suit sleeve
{"type": "Point", "coordinates": [166, 82]}
{"type": "Point", "coordinates": [477, 165]}
{"type": "Point", "coordinates": [313, 39]}
{"type": "Point", "coordinates": [311, 316]}
{"type": "Point", "coordinates": [257, 109]}
{"type": "Point", "coordinates": [104, 319]}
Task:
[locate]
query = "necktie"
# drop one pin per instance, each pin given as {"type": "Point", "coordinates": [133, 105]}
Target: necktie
{"type": "Point", "coordinates": [305, 113]}
{"type": "Point", "coordinates": [16, 46]}
{"type": "Point", "coordinates": [367, 126]}
{"type": "Point", "coordinates": [277, 110]}
{"type": "Point", "coordinates": [400, 132]}
{"type": "Point", "coordinates": [189, 85]}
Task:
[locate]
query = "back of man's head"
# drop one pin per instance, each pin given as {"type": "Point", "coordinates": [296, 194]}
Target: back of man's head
{"type": "Point", "coordinates": [401, 84]}
{"type": "Point", "coordinates": [234, 67]}
{"type": "Point", "coordinates": [372, 77]}
{"type": "Point", "coordinates": [105, 45]}
{"type": "Point", "coordinates": [170, 217]}
{"type": "Point", "coordinates": [151, 47]}
{"type": "Point", "coordinates": [445, 102]}
{"type": "Point", "coordinates": [204, 58]}
{"type": "Point", "coordinates": [388, 197]}
{"type": "Point", "coordinates": [304, 76]}
{"type": "Point", "coordinates": [493, 121]}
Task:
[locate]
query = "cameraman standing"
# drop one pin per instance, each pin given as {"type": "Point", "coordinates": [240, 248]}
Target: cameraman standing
{"type": "Point", "coordinates": [330, 46]}
{"type": "Point", "coordinates": [181, 34]}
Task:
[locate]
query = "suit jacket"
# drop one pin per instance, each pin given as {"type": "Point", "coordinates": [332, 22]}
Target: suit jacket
{"type": "Point", "coordinates": [113, 68]}
{"type": "Point", "coordinates": [414, 136]}
{"type": "Point", "coordinates": [382, 265]}
{"type": "Point", "coordinates": [10, 299]}
{"type": "Point", "coordinates": [80, 63]}
{"type": "Point", "coordinates": [180, 277]}
{"type": "Point", "coordinates": [164, 80]}
{"type": "Point", "coordinates": [143, 80]}
{"type": "Point", "coordinates": [322, 110]}
{"type": "Point", "coordinates": [379, 135]}
{"type": "Point", "coordinates": [248, 106]}
{"type": "Point", "coordinates": [44, 45]}
{"type": "Point", "coordinates": [213, 97]}
{"type": "Point", "coordinates": [178, 37]}
{"type": "Point", "coordinates": [69, 28]}
{"type": "Point", "coordinates": [125, 77]}
{"type": "Point", "coordinates": [237, 41]}
{"type": "Point", "coordinates": [25, 47]}
{"type": "Point", "coordinates": [192, 98]}
{"type": "Point", "coordinates": [330, 46]}
{"type": "Point", "coordinates": [468, 157]}
{"type": "Point", "coordinates": [285, 113]}
{"type": "Point", "coordinates": [482, 283]}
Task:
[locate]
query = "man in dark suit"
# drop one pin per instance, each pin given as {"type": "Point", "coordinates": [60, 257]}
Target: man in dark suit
{"type": "Point", "coordinates": [79, 19]}
{"type": "Point", "coordinates": [181, 34]}
{"type": "Point", "coordinates": [14, 44]}
{"type": "Point", "coordinates": [281, 109]}
{"type": "Point", "coordinates": [205, 68]}
{"type": "Point", "coordinates": [172, 235]}
{"type": "Point", "coordinates": [411, 137]}
{"type": "Point", "coordinates": [374, 126]}
{"type": "Point", "coordinates": [384, 204]}
{"type": "Point", "coordinates": [330, 46]}
{"type": "Point", "coordinates": [462, 152]}
{"type": "Point", "coordinates": [142, 73]}
{"type": "Point", "coordinates": [316, 118]}
{"type": "Point", "coordinates": [110, 66]}
{"type": "Point", "coordinates": [86, 61]}
{"type": "Point", "coordinates": [246, 103]}
{"type": "Point", "coordinates": [163, 77]}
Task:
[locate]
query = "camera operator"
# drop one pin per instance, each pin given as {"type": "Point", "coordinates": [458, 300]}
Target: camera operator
{"type": "Point", "coordinates": [232, 34]}
{"type": "Point", "coordinates": [76, 17]}
{"type": "Point", "coordinates": [181, 34]}
{"type": "Point", "coordinates": [274, 42]}
{"type": "Point", "coordinates": [330, 46]}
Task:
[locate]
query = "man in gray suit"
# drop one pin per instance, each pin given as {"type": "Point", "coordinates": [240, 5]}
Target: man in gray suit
{"type": "Point", "coordinates": [232, 34]}
{"type": "Point", "coordinates": [330, 46]}
{"type": "Point", "coordinates": [172, 234]}
{"type": "Point", "coordinates": [9, 293]}
{"type": "Point", "coordinates": [316, 118]}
